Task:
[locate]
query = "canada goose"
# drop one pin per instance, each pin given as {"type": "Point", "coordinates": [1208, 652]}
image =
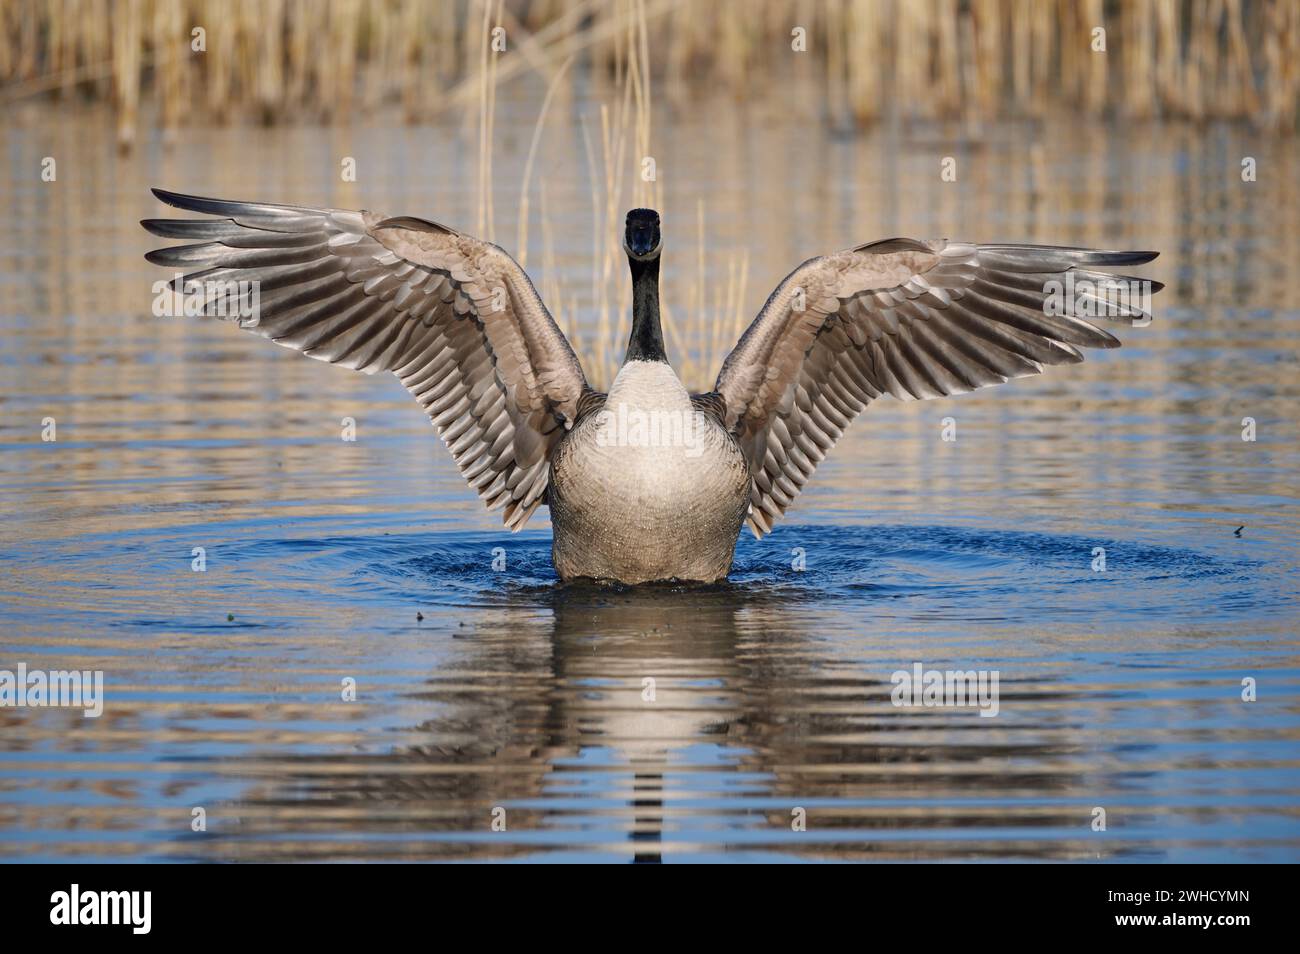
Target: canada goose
{"type": "Point", "coordinates": [647, 482]}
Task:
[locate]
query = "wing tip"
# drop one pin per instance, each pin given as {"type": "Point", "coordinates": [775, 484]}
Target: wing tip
{"type": "Point", "coordinates": [1127, 257]}
{"type": "Point", "coordinates": [1066, 256]}
{"type": "Point", "coordinates": [230, 207]}
{"type": "Point", "coordinates": [160, 256]}
{"type": "Point", "coordinates": [174, 199]}
{"type": "Point", "coordinates": [192, 203]}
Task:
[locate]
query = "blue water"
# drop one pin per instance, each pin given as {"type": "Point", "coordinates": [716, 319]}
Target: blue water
{"type": "Point", "coordinates": [499, 714]}
{"type": "Point", "coordinates": [772, 692]}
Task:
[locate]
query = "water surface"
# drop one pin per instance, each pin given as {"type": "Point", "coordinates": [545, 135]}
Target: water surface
{"type": "Point", "coordinates": [1120, 689]}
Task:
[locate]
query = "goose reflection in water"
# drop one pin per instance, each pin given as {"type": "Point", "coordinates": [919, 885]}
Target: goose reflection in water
{"type": "Point", "coordinates": [651, 723]}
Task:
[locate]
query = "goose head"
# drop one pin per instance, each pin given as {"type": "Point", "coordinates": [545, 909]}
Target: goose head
{"type": "Point", "coordinates": [642, 240]}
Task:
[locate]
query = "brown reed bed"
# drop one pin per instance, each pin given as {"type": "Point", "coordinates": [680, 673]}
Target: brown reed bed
{"type": "Point", "coordinates": [977, 60]}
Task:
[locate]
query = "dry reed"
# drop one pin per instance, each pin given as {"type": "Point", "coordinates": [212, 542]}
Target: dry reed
{"type": "Point", "coordinates": [959, 59]}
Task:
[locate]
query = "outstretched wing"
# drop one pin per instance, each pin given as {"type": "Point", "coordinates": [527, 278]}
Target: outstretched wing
{"type": "Point", "coordinates": [911, 319]}
{"type": "Point", "coordinates": [456, 319]}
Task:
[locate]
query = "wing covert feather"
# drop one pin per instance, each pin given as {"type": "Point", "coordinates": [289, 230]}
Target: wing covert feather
{"type": "Point", "coordinates": [455, 319]}
{"type": "Point", "coordinates": [910, 319]}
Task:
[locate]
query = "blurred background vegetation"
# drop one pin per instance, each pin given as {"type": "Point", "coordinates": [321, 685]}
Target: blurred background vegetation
{"type": "Point", "coordinates": [174, 62]}
{"type": "Point", "coordinates": [766, 91]}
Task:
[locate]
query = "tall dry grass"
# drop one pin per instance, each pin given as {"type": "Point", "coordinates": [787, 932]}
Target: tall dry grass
{"type": "Point", "coordinates": [281, 60]}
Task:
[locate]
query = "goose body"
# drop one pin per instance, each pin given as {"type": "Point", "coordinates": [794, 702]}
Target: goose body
{"type": "Point", "coordinates": [648, 482]}
{"type": "Point", "coordinates": [647, 488]}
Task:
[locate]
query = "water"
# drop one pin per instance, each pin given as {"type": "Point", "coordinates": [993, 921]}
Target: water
{"type": "Point", "coordinates": [1119, 689]}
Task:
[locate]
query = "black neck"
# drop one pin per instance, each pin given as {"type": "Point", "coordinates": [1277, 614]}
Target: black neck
{"type": "Point", "coordinates": [647, 341]}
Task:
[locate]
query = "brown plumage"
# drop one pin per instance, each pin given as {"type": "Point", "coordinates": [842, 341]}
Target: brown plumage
{"type": "Point", "coordinates": [900, 317]}
{"type": "Point", "coordinates": [463, 328]}
{"type": "Point", "coordinates": [455, 319]}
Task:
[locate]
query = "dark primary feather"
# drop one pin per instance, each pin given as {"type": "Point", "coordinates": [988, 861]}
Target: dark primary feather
{"type": "Point", "coordinates": [902, 317]}
{"type": "Point", "coordinates": [455, 319]}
